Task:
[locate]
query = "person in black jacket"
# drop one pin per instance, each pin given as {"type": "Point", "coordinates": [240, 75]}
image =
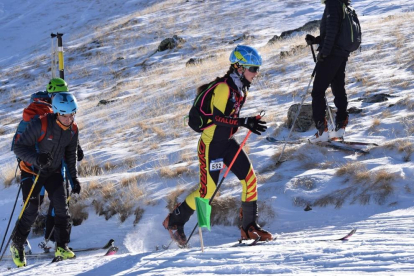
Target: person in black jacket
{"type": "Point", "coordinates": [42, 147]}
{"type": "Point", "coordinates": [330, 70]}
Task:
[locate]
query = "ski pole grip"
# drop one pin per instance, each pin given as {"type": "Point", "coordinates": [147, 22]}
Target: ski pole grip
{"type": "Point", "coordinates": [261, 115]}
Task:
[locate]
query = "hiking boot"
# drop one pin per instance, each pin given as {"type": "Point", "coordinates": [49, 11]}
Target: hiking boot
{"type": "Point", "coordinates": [17, 252]}
{"type": "Point", "coordinates": [322, 134]}
{"type": "Point", "coordinates": [175, 221]}
{"type": "Point", "coordinates": [339, 132]}
{"type": "Point", "coordinates": [254, 231]}
{"type": "Point", "coordinates": [64, 252]}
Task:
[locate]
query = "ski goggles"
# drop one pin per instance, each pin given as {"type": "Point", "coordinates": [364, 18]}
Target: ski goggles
{"type": "Point", "coordinates": [252, 69]}
{"type": "Point", "coordinates": [71, 115]}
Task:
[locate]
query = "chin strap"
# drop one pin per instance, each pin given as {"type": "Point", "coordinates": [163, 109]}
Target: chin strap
{"type": "Point", "coordinates": [62, 125]}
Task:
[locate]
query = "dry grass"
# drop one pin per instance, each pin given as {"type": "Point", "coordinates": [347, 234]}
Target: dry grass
{"type": "Point", "coordinates": [377, 186]}
{"type": "Point", "coordinates": [88, 167]}
{"type": "Point", "coordinates": [225, 211]}
{"type": "Point", "coordinates": [404, 146]}
{"type": "Point", "coordinates": [108, 190]}
{"type": "Point", "coordinates": [336, 198]}
{"type": "Point", "coordinates": [305, 183]}
{"type": "Point", "coordinates": [7, 174]}
{"type": "Point", "coordinates": [139, 212]}
{"type": "Point", "coordinates": [78, 212]}
{"type": "Point", "coordinates": [350, 168]}
{"type": "Point", "coordinates": [172, 197]}
{"type": "Point", "coordinates": [168, 172]}
{"type": "Point", "coordinates": [127, 181]}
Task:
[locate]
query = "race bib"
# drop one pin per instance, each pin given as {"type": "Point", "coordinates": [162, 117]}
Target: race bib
{"type": "Point", "coordinates": [216, 165]}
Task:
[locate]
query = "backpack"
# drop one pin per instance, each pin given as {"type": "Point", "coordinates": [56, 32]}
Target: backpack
{"type": "Point", "coordinates": [350, 35]}
{"type": "Point", "coordinates": [40, 96]}
{"type": "Point", "coordinates": [35, 110]}
{"type": "Point", "coordinates": [200, 113]}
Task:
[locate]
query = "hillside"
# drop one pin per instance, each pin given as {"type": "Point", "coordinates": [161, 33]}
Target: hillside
{"type": "Point", "coordinates": [140, 158]}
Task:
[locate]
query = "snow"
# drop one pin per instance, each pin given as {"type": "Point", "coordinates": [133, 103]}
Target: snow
{"type": "Point", "coordinates": [143, 133]}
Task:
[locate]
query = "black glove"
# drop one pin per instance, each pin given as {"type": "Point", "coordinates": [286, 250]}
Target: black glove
{"type": "Point", "coordinates": [80, 153]}
{"type": "Point", "coordinates": [320, 57]}
{"type": "Point", "coordinates": [310, 39]}
{"type": "Point", "coordinates": [44, 159]}
{"type": "Point", "coordinates": [76, 186]}
{"type": "Point", "coordinates": [254, 124]}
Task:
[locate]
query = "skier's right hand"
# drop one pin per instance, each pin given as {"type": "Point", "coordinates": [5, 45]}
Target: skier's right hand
{"type": "Point", "coordinates": [310, 39]}
{"type": "Point", "coordinates": [44, 159]}
{"type": "Point", "coordinates": [254, 124]}
{"type": "Point", "coordinates": [76, 186]}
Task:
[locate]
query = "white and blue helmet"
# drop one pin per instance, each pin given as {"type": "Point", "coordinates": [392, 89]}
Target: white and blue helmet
{"type": "Point", "coordinates": [64, 103]}
{"type": "Point", "coordinates": [245, 56]}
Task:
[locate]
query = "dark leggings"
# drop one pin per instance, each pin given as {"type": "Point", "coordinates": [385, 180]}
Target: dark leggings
{"type": "Point", "coordinates": [56, 190]}
{"type": "Point", "coordinates": [331, 71]}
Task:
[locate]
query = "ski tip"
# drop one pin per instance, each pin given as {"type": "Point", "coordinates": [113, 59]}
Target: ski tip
{"type": "Point", "coordinates": [57, 259]}
{"type": "Point", "coordinates": [112, 251]}
{"type": "Point", "coordinates": [270, 139]}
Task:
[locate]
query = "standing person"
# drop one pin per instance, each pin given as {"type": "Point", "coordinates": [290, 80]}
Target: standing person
{"type": "Point", "coordinates": [55, 85]}
{"type": "Point", "coordinates": [41, 104]}
{"type": "Point", "coordinates": [330, 70]}
{"type": "Point", "coordinates": [42, 147]}
{"type": "Point", "coordinates": [218, 145]}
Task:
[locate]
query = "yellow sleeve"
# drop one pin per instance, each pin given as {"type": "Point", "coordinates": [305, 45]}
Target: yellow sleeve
{"type": "Point", "coordinates": [220, 97]}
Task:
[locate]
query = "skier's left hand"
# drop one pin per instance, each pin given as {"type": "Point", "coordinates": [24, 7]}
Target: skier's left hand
{"type": "Point", "coordinates": [254, 124]}
{"type": "Point", "coordinates": [80, 153]}
{"type": "Point", "coordinates": [76, 186]}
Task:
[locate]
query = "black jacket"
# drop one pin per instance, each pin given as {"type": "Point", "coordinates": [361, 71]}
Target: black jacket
{"type": "Point", "coordinates": [58, 142]}
{"type": "Point", "coordinates": [329, 29]}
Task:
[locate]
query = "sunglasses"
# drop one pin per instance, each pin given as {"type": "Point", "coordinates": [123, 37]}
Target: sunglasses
{"type": "Point", "coordinates": [71, 116]}
{"type": "Point", "coordinates": [252, 69]}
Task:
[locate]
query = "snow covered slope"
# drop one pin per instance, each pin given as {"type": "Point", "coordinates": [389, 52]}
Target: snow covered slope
{"type": "Point", "coordinates": [144, 153]}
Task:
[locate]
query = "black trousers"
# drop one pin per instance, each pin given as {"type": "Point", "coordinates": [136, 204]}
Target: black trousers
{"type": "Point", "coordinates": [56, 190]}
{"type": "Point", "coordinates": [331, 71]}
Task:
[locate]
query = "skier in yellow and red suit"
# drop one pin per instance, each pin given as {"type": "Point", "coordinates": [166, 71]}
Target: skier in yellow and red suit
{"type": "Point", "coordinates": [217, 146]}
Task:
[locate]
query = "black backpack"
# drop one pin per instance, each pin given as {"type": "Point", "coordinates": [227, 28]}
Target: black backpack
{"type": "Point", "coordinates": [200, 113]}
{"type": "Point", "coordinates": [350, 35]}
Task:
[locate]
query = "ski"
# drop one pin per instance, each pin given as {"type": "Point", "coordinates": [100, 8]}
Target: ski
{"type": "Point", "coordinates": [293, 142]}
{"type": "Point", "coordinates": [355, 143]}
{"type": "Point", "coordinates": [256, 241]}
{"type": "Point", "coordinates": [344, 238]}
{"type": "Point", "coordinates": [302, 141]}
{"type": "Point", "coordinates": [111, 249]}
{"type": "Point", "coordinates": [340, 145]}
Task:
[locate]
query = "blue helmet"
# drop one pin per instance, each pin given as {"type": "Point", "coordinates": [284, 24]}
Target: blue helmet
{"type": "Point", "coordinates": [64, 103]}
{"type": "Point", "coordinates": [245, 56]}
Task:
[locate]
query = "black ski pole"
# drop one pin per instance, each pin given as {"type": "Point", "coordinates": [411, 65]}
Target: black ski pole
{"type": "Point", "coordinates": [21, 213]}
{"type": "Point", "coordinates": [11, 216]}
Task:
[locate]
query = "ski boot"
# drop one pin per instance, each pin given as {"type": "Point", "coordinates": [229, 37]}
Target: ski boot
{"type": "Point", "coordinates": [255, 232]}
{"type": "Point", "coordinates": [339, 132]}
{"type": "Point", "coordinates": [249, 228]}
{"type": "Point", "coordinates": [64, 252]}
{"type": "Point", "coordinates": [175, 221]}
{"type": "Point", "coordinates": [18, 255]}
{"type": "Point", "coordinates": [322, 134]}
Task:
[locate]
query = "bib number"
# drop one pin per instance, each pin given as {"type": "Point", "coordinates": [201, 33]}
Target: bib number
{"type": "Point", "coordinates": [216, 165]}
